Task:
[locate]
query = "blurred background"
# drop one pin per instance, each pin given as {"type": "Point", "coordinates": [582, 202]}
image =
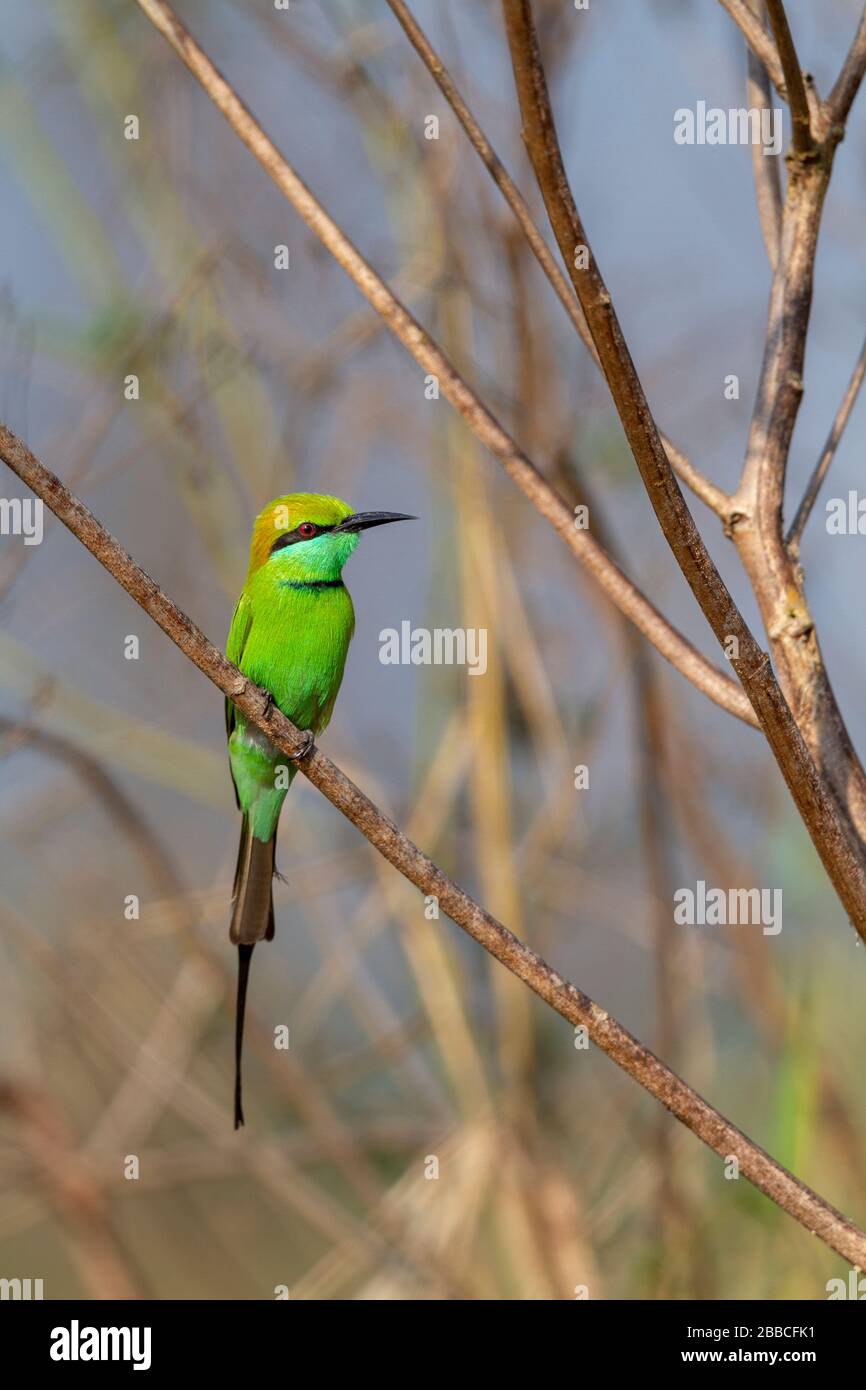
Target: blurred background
{"type": "Point", "coordinates": [119, 1171]}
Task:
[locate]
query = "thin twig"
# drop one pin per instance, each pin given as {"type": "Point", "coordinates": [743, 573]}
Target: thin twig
{"type": "Point", "coordinates": [840, 852]}
{"type": "Point", "coordinates": [810, 1210]}
{"type": "Point", "coordinates": [801, 127]}
{"type": "Point", "coordinates": [672, 645]}
{"type": "Point", "coordinates": [795, 534]}
{"type": "Point", "coordinates": [847, 84]}
{"type": "Point", "coordinates": [714, 497]}
{"type": "Point", "coordinates": [756, 514]}
{"type": "Point", "coordinates": [768, 189]}
{"type": "Point", "coordinates": [759, 42]}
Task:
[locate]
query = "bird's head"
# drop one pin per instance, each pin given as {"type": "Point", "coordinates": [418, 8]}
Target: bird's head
{"type": "Point", "coordinates": [308, 536]}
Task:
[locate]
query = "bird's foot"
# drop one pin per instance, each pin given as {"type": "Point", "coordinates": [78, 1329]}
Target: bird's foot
{"type": "Point", "coordinates": [307, 738]}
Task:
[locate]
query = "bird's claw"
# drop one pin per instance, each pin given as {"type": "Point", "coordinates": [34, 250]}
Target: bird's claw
{"type": "Point", "coordinates": [304, 751]}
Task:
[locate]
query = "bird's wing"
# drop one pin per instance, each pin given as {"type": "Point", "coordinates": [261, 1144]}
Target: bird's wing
{"type": "Point", "coordinates": [237, 640]}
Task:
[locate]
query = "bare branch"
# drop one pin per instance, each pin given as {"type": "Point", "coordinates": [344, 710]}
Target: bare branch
{"type": "Point", "coordinates": [810, 1210]}
{"type": "Point", "coordinates": [768, 188]}
{"type": "Point", "coordinates": [831, 833]}
{"type": "Point", "coordinates": [506, 185]}
{"type": "Point", "coordinates": [795, 534]}
{"type": "Point", "coordinates": [847, 84]}
{"type": "Point", "coordinates": [759, 41]}
{"type": "Point", "coordinates": [801, 126]}
{"type": "Point", "coordinates": [714, 497]}
{"type": "Point", "coordinates": [756, 518]}
{"type": "Point", "coordinates": [420, 345]}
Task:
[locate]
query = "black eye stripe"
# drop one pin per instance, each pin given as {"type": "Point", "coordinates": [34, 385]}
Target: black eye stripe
{"type": "Point", "coordinates": [292, 537]}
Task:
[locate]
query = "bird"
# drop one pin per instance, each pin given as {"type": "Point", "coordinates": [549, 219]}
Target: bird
{"type": "Point", "coordinates": [290, 634]}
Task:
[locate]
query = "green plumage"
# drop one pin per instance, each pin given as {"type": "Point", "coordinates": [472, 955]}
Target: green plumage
{"type": "Point", "coordinates": [290, 634]}
{"type": "Point", "coordinates": [293, 642]}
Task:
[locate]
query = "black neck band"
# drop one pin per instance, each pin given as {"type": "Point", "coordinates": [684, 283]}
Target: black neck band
{"type": "Point", "coordinates": [311, 583]}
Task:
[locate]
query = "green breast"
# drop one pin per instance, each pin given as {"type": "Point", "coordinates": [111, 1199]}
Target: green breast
{"type": "Point", "coordinates": [297, 646]}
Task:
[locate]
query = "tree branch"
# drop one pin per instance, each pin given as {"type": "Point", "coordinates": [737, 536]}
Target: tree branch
{"type": "Point", "coordinates": [759, 42]}
{"type": "Point", "coordinates": [756, 518]}
{"type": "Point", "coordinates": [714, 497]}
{"type": "Point", "coordinates": [831, 833]}
{"type": "Point", "coordinates": [810, 1210]}
{"type": "Point", "coordinates": [795, 533]}
{"type": "Point", "coordinates": [420, 345]}
{"type": "Point", "coordinates": [847, 84]}
{"type": "Point", "coordinates": [768, 189]}
{"type": "Point", "coordinates": [801, 128]}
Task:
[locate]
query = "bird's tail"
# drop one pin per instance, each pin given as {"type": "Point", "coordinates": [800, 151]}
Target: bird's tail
{"type": "Point", "coordinates": [252, 896]}
{"type": "Point", "coordinates": [245, 955]}
{"type": "Point", "coordinates": [252, 921]}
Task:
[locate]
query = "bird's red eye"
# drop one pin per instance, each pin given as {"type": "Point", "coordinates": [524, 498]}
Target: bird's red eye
{"type": "Point", "coordinates": [306, 529]}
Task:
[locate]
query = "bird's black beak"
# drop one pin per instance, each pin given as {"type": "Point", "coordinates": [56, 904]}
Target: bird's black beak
{"type": "Point", "coordinates": [360, 521]}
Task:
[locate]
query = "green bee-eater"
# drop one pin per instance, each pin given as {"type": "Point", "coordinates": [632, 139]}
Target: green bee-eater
{"type": "Point", "coordinates": [290, 634]}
